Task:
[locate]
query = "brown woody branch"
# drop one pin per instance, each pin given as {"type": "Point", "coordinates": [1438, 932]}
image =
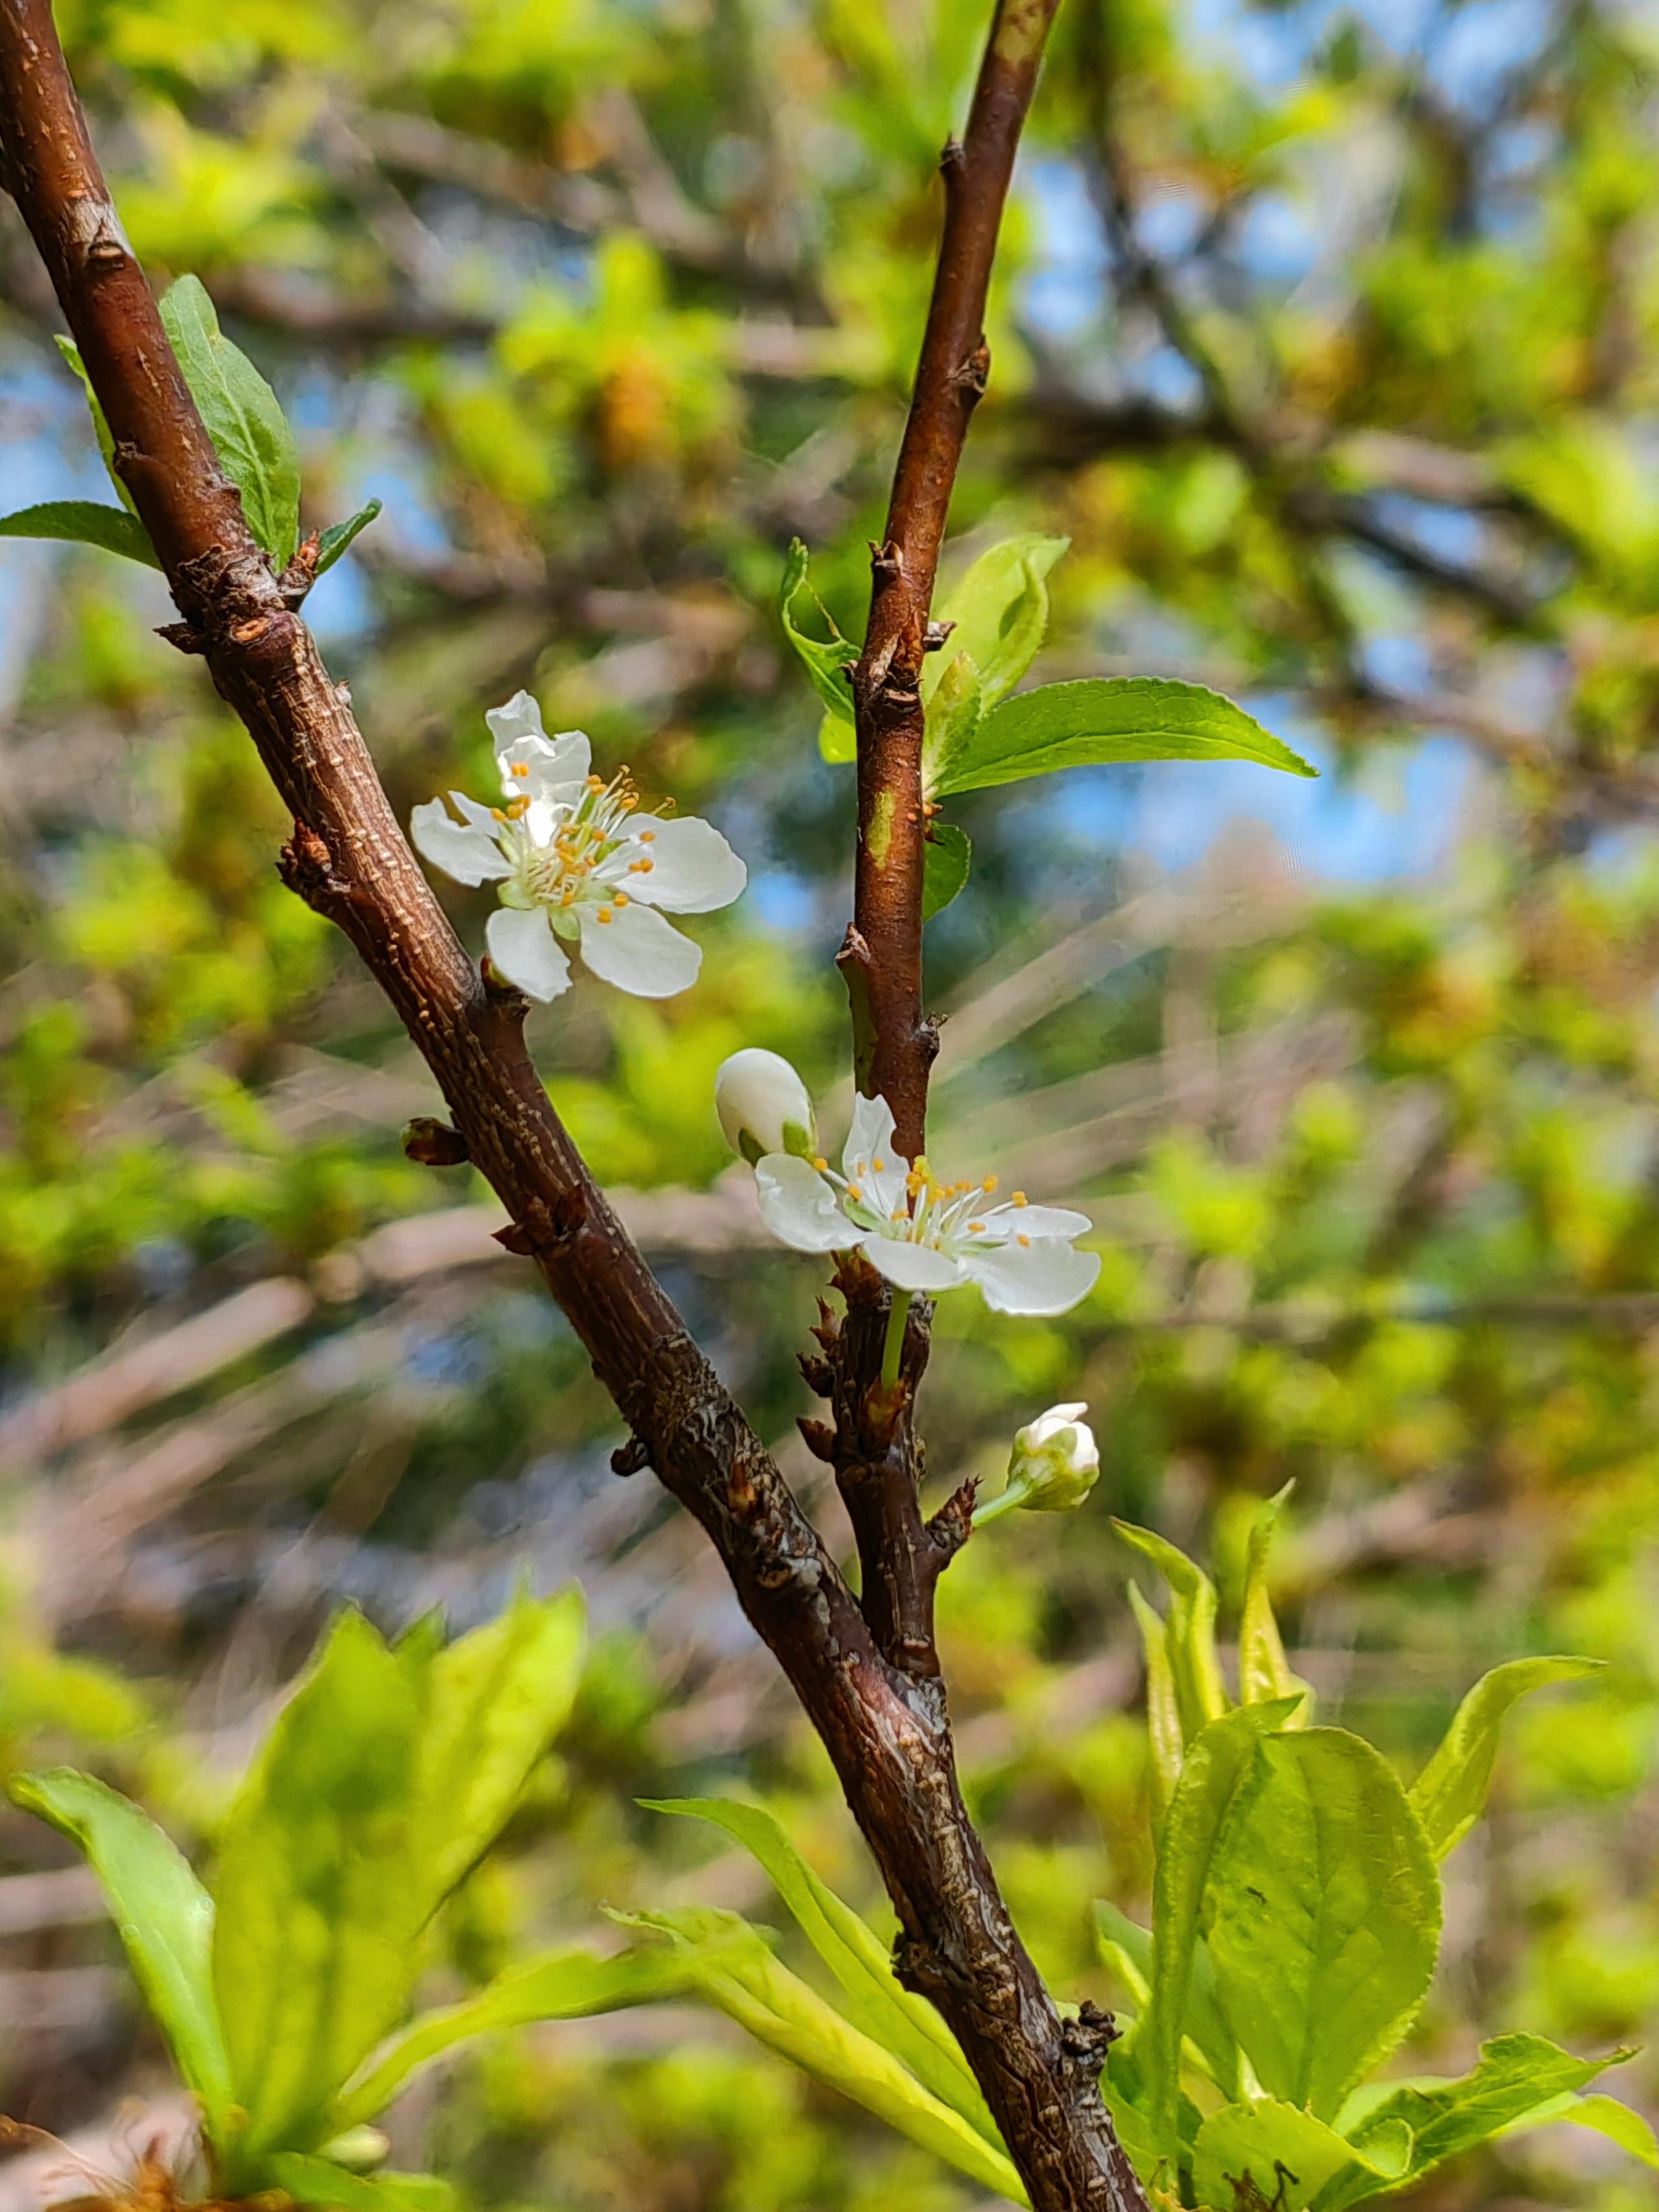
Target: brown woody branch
{"type": "Point", "coordinates": [895, 1043]}
{"type": "Point", "coordinates": [884, 1729]}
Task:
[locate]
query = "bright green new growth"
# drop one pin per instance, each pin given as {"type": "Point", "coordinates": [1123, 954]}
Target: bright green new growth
{"type": "Point", "coordinates": [251, 436]}
{"type": "Point", "coordinates": [388, 1773]}
{"type": "Point", "coordinates": [978, 736]}
{"type": "Point", "coordinates": [1296, 1920]}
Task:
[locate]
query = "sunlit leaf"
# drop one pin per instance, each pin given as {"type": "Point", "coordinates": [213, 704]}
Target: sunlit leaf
{"type": "Point", "coordinates": [1449, 1794]}
{"type": "Point", "coordinates": [823, 662]}
{"type": "Point", "coordinates": [335, 540]}
{"type": "Point", "coordinates": [947, 858]}
{"type": "Point", "coordinates": [998, 615]}
{"type": "Point", "coordinates": [249, 430]}
{"type": "Point", "coordinates": [84, 522]}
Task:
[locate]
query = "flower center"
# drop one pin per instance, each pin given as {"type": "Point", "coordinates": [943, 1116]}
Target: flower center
{"type": "Point", "coordinates": [579, 861]}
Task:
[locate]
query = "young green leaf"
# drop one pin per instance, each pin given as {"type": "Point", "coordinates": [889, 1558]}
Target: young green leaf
{"type": "Point", "coordinates": [1218, 1778]}
{"type": "Point", "coordinates": [101, 431]}
{"type": "Point", "coordinates": [946, 859]}
{"type": "Point", "coordinates": [312, 2180]}
{"type": "Point", "coordinates": [1208, 2038]}
{"type": "Point", "coordinates": [1292, 2158]}
{"type": "Point", "coordinates": [84, 522]}
{"type": "Point", "coordinates": [904, 2024]}
{"type": "Point", "coordinates": [1323, 1917]}
{"type": "Point", "coordinates": [838, 742]}
{"type": "Point", "coordinates": [1166, 1736]}
{"type": "Point", "coordinates": [315, 1943]}
{"type": "Point", "coordinates": [163, 1913]}
{"type": "Point", "coordinates": [1605, 2116]}
{"type": "Point", "coordinates": [1517, 2076]}
{"type": "Point", "coordinates": [1103, 718]}
{"type": "Point", "coordinates": [823, 663]}
{"type": "Point", "coordinates": [1449, 1794]}
{"type": "Point", "coordinates": [334, 541]}
{"type": "Point", "coordinates": [953, 716]}
{"type": "Point", "coordinates": [779, 2010]}
{"type": "Point", "coordinates": [563, 1985]}
{"type": "Point", "coordinates": [494, 1701]}
{"type": "Point", "coordinates": [249, 430]}
{"type": "Point", "coordinates": [1190, 1632]}
{"type": "Point", "coordinates": [1263, 1670]}
{"type": "Point", "coordinates": [998, 614]}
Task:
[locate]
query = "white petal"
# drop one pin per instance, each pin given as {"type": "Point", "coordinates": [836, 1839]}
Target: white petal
{"type": "Point", "coordinates": [461, 849]}
{"type": "Point", "coordinates": [637, 950]}
{"type": "Point", "coordinates": [553, 768]}
{"type": "Point", "coordinates": [912, 1266]}
{"type": "Point", "coordinates": [481, 817]}
{"type": "Point", "coordinates": [693, 869]}
{"type": "Point", "coordinates": [1044, 1277]}
{"type": "Point", "coordinates": [870, 1139]}
{"type": "Point", "coordinates": [1003, 1222]}
{"type": "Point", "coordinates": [798, 1205]}
{"type": "Point", "coordinates": [520, 718]}
{"type": "Point", "coordinates": [523, 948]}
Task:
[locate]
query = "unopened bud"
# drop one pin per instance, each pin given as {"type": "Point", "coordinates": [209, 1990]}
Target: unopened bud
{"type": "Point", "coordinates": [1054, 1465]}
{"type": "Point", "coordinates": [763, 1106]}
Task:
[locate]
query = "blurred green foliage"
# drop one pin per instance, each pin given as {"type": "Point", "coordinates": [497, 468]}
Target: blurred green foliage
{"type": "Point", "coordinates": [1326, 334]}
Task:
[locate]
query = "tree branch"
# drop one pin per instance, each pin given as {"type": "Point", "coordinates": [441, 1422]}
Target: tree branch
{"type": "Point", "coordinates": [886, 1729]}
{"type": "Point", "coordinates": [894, 1042]}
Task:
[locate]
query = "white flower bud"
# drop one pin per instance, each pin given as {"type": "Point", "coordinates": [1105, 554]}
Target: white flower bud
{"type": "Point", "coordinates": [1053, 1467]}
{"type": "Point", "coordinates": [763, 1106]}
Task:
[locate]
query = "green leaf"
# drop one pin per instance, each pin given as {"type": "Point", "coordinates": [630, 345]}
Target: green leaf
{"type": "Point", "coordinates": [249, 430]}
{"type": "Point", "coordinates": [563, 1985]}
{"type": "Point", "coordinates": [947, 856]}
{"type": "Point", "coordinates": [84, 522]}
{"type": "Point", "coordinates": [903, 2023]}
{"type": "Point", "coordinates": [1291, 2157]}
{"type": "Point", "coordinates": [822, 662]}
{"type": "Point", "coordinates": [1216, 1780]}
{"type": "Point", "coordinates": [71, 354]}
{"type": "Point", "coordinates": [1208, 2036]}
{"type": "Point", "coordinates": [838, 741]}
{"type": "Point", "coordinates": [779, 2010]}
{"type": "Point", "coordinates": [1449, 1794]}
{"type": "Point", "coordinates": [1111, 718]}
{"type": "Point", "coordinates": [310, 2180]}
{"type": "Point", "coordinates": [495, 1700]}
{"type": "Point", "coordinates": [1607, 2117]}
{"type": "Point", "coordinates": [1264, 1672]}
{"type": "Point", "coordinates": [999, 614]}
{"type": "Point", "coordinates": [953, 716]}
{"type": "Point", "coordinates": [163, 1913]}
{"type": "Point", "coordinates": [314, 1947]}
{"type": "Point", "coordinates": [1167, 1737]}
{"type": "Point", "coordinates": [337, 536]}
{"type": "Point", "coordinates": [1189, 1632]}
{"type": "Point", "coordinates": [1518, 2074]}
{"type": "Point", "coordinates": [1323, 1917]}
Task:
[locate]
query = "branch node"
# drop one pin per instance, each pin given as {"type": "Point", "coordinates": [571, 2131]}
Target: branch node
{"type": "Point", "coordinates": [818, 1374]}
{"type": "Point", "coordinates": [818, 1438]}
{"type": "Point", "coordinates": [972, 374]}
{"type": "Point", "coordinates": [541, 1228]}
{"type": "Point", "coordinates": [301, 574]}
{"type": "Point", "coordinates": [184, 635]}
{"type": "Point", "coordinates": [933, 637]}
{"type": "Point", "coordinates": [952, 1525]}
{"type": "Point", "coordinates": [886, 559]}
{"type": "Point", "coordinates": [432, 1144]}
{"type": "Point", "coordinates": [855, 951]}
{"type": "Point", "coordinates": [1087, 2038]}
{"type": "Point", "coordinates": [952, 158]}
{"type": "Point", "coordinates": [630, 1458]}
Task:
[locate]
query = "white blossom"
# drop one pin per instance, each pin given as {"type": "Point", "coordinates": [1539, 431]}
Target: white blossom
{"type": "Point", "coordinates": [574, 860]}
{"type": "Point", "coordinates": [924, 1235]}
{"type": "Point", "coordinates": [763, 1106]}
{"type": "Point", "coordinates": [1053, 1467]}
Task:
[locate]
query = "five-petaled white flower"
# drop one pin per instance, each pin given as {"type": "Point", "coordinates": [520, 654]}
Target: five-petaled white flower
{"type": "Point", "coordinates": [924, 1235]}
{"type": "Point", "coordinates": [575, 859]}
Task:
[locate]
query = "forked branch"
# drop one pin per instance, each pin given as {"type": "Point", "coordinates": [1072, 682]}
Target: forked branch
{"type": "Point", "coordinates": [884, 1729]}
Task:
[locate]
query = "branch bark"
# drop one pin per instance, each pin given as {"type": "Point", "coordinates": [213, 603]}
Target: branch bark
{"type": "Point", "coordinates": [884, 1726]}
{"type": "Point", "coordinates": [894, 1041]}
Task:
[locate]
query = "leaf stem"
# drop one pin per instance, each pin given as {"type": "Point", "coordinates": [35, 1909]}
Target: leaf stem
{"type": "Point", "coordinates": [893, 1350]}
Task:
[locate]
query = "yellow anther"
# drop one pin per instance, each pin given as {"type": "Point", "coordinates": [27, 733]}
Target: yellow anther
{"type": "Point", "coordinates": [1019, 1197]}
{"type": "Point", "coordinates": [596, 783]}
{"type": "Point", "coordinates": [640, 868]}
{"type": "Point", "coordinates": [521, 768]}
{"type": "Point", "coordinates": [1024, 1240]}
{"type": "Point", "coordinates": [498, 814]}
{"type": "Point", "coordinates": [881, 1166]}
{"type": "Point", "coordinates": [647, 837]}
{"type": "Point", "coordinates": [605, 913]}
{"type": "Point", "coordinates": [854, 1193]}
{"type": "Point", "coordinates": [823, 1166]}
{"type": "Point", "coordinates": [975, 1228]}
{"type": "Point", "coordinates": [990, 1183]}
{"type": "Point", "coordinates": [898, 1214]}
{"type": "Point", "coordinates": [516, 808]}
{"type": "Point", "coordinates": [621, 899]}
